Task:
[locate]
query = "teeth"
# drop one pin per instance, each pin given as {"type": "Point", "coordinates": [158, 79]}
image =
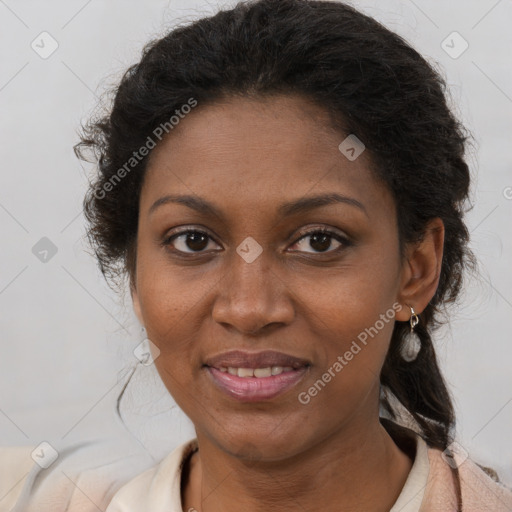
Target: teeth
{"type": "Point", "coordinates": [256, 372]}
{"type": "Point", "coordinates": [263, 372]}
{"type": "Point", "coordinates": [245, 372]}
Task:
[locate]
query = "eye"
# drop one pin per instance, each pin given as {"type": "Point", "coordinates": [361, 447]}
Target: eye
{"type": "Point", "coordinates": [192, 239]}
{"type": "Point", "coordinates": [321, 239]}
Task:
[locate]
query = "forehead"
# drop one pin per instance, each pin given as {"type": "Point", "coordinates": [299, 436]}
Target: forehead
{"type": "Point", "coordinates": [259, 152]}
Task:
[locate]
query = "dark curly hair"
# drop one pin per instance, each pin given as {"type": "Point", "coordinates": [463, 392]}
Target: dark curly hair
{"type": "Point", "coordinates": [370, 81]}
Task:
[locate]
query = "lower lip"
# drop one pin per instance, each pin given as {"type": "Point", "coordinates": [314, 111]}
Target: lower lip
{"type": "Point", "coordinates": [255, 389]}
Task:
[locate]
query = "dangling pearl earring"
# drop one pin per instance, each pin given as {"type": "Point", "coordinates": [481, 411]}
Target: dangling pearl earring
{"type": "Point", "coordinates": [412, 344]}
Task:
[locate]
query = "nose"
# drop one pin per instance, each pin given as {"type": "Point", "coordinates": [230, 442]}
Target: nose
{"type": "Point", "coordinates": [252, 296]}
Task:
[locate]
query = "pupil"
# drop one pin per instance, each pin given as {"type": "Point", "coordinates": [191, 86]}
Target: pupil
{"type": "Point", "coordinates": [324, 238]}
{"type": "Point", "coordinates": [195, 243]}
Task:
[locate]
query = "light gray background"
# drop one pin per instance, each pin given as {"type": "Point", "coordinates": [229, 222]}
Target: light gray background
{"type": "Point", "coordinates": [66, 337]}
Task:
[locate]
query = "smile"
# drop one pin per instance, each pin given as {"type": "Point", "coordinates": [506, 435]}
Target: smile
{"type": "Point", "coordinates": [256, 372]}
{"type": "Point", "coordinates": [256, 384]}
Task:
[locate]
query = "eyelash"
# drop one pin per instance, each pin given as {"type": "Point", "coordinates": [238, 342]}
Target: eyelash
{"type": "Point", "coordinates": [167, 241]}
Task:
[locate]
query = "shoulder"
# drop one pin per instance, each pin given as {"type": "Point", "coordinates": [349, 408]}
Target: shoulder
{"type": "Point", "coordinates": [150, 489]}
{"type": "Point", "coordinates": [480, 488]}
{"type": "Point", "coordinates": [479, 491]}
{"type": "Point", "coordinates": [53, 476]}
{"type": "Point", "coordinates": [15, 465]}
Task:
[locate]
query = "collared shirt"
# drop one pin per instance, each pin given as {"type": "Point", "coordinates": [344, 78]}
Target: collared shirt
{"type": "Point", "coordinates": [158, 489]}
{"type": "Point", "coordinates": [131, 483]}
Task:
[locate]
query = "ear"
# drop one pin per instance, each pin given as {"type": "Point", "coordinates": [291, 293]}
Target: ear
{"type": "Point", "coordinates": [136, 304]}
{"type": "Point", "coordinates": [421, 271]}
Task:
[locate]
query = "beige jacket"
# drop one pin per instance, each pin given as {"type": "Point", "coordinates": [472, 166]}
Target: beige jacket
{"type": "Point", "coordinates": [157, 489]}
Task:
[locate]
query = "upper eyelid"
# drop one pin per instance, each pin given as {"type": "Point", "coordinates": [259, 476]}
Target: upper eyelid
{"type": "Point", "coordinates": [325, 229]}
{"type": "Point", "coordinates": [185, 230]}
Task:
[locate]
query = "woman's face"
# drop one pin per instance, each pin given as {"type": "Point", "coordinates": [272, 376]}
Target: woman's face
{"type": "Point", "coordinates": [263, 278]}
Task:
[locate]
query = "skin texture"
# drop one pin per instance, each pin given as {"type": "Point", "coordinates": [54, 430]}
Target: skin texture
{"type": "Point", "coordinates": [305, 298]}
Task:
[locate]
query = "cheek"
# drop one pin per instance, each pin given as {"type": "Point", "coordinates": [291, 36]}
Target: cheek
{"type": "Point", "coordinates": [352, 318]}
{"type": "Point", "coordinates": [349, 299]}
{"type": "Point", "coordinates": [350, 368]}
{"type": "Point", "coordinates": [357, 334]}
{"type": "Point", "coordinates": [170, 299]}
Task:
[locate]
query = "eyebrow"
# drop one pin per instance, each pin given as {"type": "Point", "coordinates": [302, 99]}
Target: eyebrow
{"type": "Point", "coordinates": [286, 209]}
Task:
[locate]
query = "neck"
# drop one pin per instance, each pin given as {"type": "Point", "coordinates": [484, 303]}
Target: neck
{"type": "Point", "coordinates": [357, 468]}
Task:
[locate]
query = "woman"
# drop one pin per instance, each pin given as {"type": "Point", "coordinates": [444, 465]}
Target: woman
{"type": "Point", "coordinates": [284, 186]}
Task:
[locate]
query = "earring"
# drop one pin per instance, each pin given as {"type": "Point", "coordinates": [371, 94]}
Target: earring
{"type": "Point", "coordinates": [412, 344]}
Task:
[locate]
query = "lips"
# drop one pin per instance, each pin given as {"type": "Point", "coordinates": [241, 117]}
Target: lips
{"type": "Point", "coordinates": [254, 389]}
{"type": "Point", "coordinates": [264, 359]}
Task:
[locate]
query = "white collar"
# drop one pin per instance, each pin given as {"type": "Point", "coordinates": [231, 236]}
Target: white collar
{"type": "Point", "coordinates": [159, 488]}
